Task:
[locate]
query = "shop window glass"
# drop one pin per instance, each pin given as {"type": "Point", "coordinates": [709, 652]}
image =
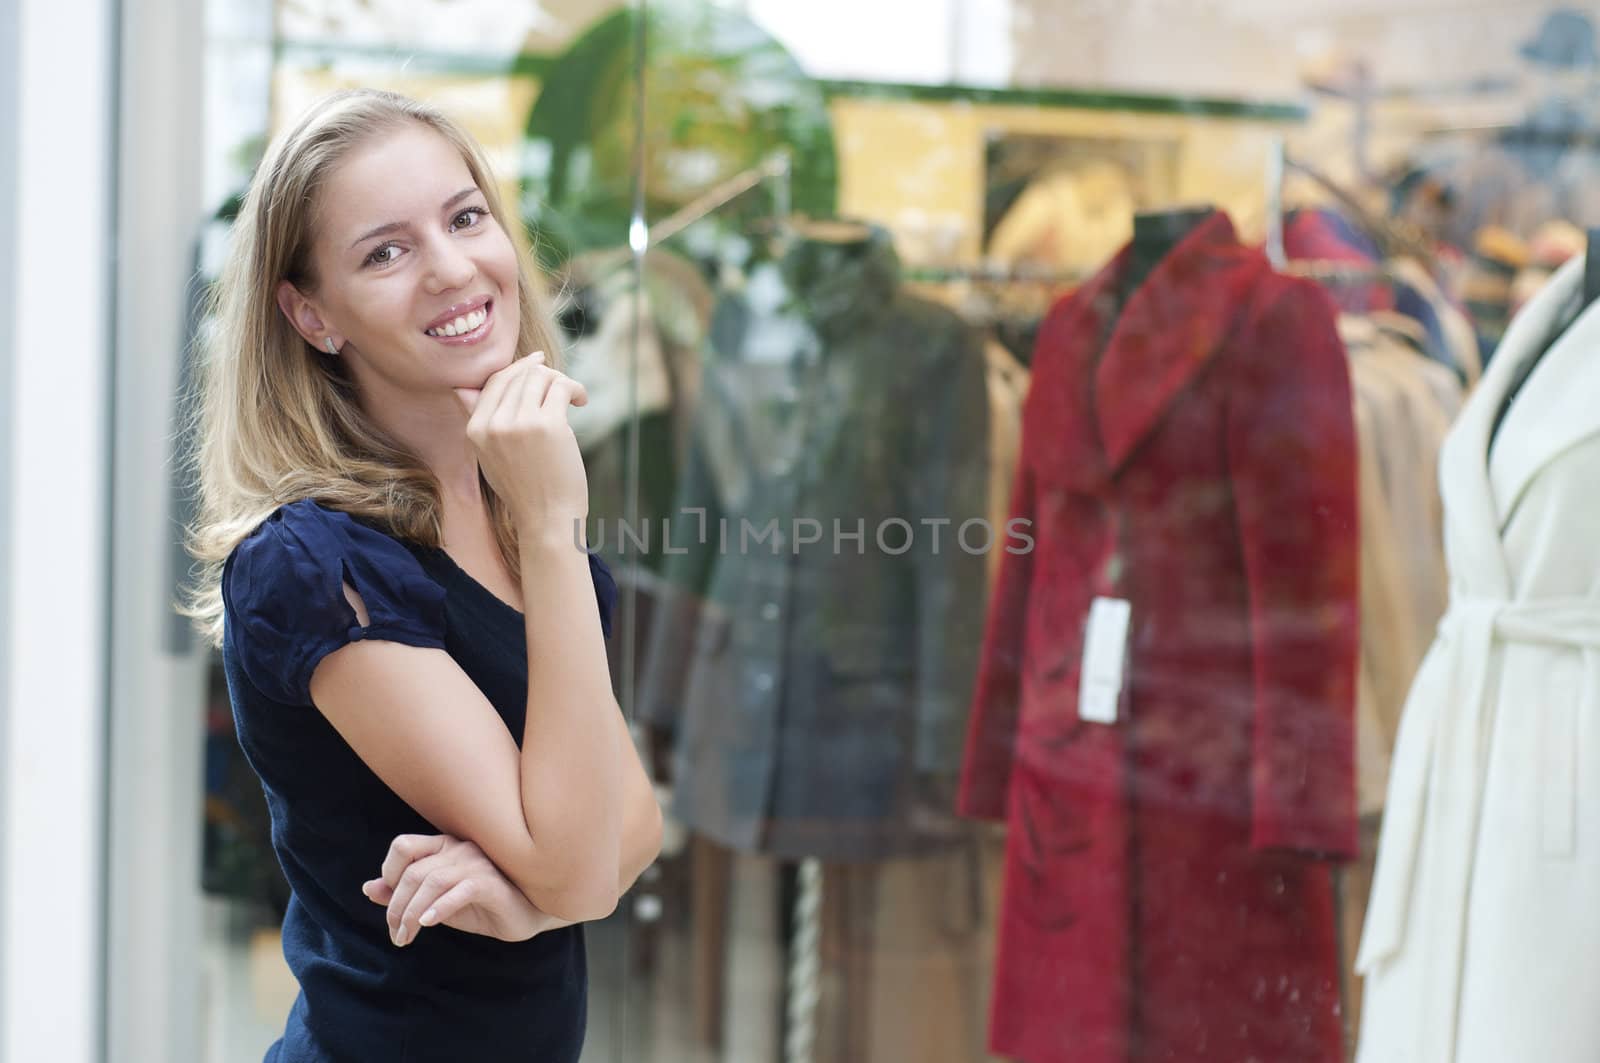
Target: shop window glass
{"type": "Point", "coordinates": [1087, 591]}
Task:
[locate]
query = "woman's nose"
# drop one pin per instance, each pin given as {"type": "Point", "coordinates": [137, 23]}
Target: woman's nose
{"type": "Point", "coordinates": [448, 267]}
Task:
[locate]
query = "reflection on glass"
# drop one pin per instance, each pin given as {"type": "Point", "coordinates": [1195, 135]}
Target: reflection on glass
{"type": "Point", "coordinates": [1122, 330]}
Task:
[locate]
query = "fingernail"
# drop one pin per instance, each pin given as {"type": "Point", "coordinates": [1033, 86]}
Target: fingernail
{"type": "Point", "coordinates": [400, 936]}
{"type": "Point", "coordinates": [429, 916]}
{"type": "Point", "coordinates": [366, 888]}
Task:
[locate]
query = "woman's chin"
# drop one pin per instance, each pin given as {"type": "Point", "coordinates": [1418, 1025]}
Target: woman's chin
{"type": "Point", "coordinates": [490, 361]}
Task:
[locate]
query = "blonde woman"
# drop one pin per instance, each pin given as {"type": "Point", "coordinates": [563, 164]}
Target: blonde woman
{"type": "Point", "coordinates": [411, 625]}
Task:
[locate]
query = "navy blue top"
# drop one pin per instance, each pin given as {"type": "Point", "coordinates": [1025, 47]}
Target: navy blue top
{"type": "Point", "coordinates": [447, 996]}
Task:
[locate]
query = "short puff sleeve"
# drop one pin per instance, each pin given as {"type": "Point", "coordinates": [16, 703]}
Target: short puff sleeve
{"type": "Point", "coordinates": [286, 609]}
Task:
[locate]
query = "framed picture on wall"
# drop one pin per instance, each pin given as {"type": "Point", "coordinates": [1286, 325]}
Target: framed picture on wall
{"type": "Point", "coordinates": [1067, 202]}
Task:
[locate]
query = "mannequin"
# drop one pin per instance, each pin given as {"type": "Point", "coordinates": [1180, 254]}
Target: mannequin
{"type": "Point", "coordinates": [1155, 234]}
{"type": "Point", "coordinates": [821, 262]}
{"type": "Point", "coordinates": [1586, 297]}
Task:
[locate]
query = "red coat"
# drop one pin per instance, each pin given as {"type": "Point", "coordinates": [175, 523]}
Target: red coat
{"type": "Point", "coordinates": [1166, 892]}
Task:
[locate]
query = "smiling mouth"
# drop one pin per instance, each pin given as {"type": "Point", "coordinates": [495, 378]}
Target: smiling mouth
{"type": "Point", "coordinates": [468, 328]}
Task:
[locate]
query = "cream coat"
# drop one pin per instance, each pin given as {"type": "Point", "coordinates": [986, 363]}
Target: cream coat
{"type": "Point", "coordinates": [1482, 941]}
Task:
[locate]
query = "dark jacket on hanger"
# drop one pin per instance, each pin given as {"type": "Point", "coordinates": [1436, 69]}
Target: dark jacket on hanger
{"type": "Point", "coordinates": [822, 687]}
{"type": "Point", "coordinates": [1164, 897]}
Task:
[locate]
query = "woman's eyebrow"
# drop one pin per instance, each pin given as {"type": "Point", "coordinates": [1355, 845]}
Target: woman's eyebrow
{"type": "Point", "coordinates": [394, 226]}
{"type": "Point", "coordinates": [459, 196]}
{"type": "Point", "coordinates": [381, 230]}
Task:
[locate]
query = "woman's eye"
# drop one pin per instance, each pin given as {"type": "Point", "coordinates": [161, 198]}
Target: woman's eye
{"type": "Point", "coordinates": [382, 256]}
{"type": "Point", "coordinates": [472, 216]}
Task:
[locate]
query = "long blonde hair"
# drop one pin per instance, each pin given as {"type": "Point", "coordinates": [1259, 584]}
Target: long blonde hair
{"type": "Point", "coordinates": [273, 420]}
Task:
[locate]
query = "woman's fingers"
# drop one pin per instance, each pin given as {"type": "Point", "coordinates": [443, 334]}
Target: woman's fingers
{"type": "Point", "coordinates": [564, 390]}
{"type": "Point", "coordinates": [512, 399]}
{"type": "Point", "coordinates": [516, 428]}
{"type": "Point", "coordinates": [410, 858]}
{"type": "Point", "coordinates": [490, 397]}
{"type": "Point", "coordinates": [449, 903]}
{"type": "Point", "coordinates": [421, 887]}
{"type": "Point", "coordinates": [529, 371]}
{"type": "Point", "coordinates": [532, 396]}
{"type": "Point", "coordinates": [547, 388]}
{"type": "Point", "coordinates": [419, 873]}
{"type": "Point", "coordinates": [407, 849]}
{"type": "Point", "coordinates": [457, 886]}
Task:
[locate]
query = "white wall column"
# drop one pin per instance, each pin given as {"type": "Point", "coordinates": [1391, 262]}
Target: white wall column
{"type": "Point", "coordinates": [58, 234]}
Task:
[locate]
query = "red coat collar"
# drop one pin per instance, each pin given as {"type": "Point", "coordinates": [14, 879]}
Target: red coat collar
{"type": "Point", "coordinates": [1099, 404]}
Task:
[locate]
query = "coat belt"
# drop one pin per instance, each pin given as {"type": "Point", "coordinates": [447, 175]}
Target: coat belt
{"type": "Point", "coordinates": [1436, 795]}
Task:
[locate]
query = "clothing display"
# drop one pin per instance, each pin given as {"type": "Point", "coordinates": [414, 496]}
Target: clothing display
{"type": "Point", "coordinates": [449, 995]}
{"type": "Point", "coordinates": [818, 691]}
{"type": "Point", "coordinates": [905, 929]}
{"type": "Point", "coordinates": [887, 932]}
{"type": "Point", "coordinates": [1486, 284]}
{"type": "Point", "coordinates": [1521, 200]}
{"type": "Point", "coordinates": [636, 350]}
{"type": "Point", "coordinates": [1389, 645]}
{"type": "Point", "coordinates": [1167, 893]}
{"type": "Point", "coordinates": [635, 347]}
{"type": "Point", "coordinates": [1324, 235]}
{"type": "Point", "coordinates": [1326, 238]}
{"type": "Point", "coordinates": [1405, 405]}
{"type": "Point", "coordinates": [1481, 931]}
{"type": "Point", "coordinates": [1449, 339]}
{"type": "Point", "coordinates": [605, 303]}
{"type": "Point", "coordinates": [1551, 245]}
{"type": "Point", "coordinates": [1008, 390]}
{"type": "Point", "coordinates": [1526, 176]}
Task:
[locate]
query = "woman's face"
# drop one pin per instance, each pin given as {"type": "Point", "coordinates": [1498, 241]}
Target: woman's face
{"type": "Point", "coordinates": [417, 282]}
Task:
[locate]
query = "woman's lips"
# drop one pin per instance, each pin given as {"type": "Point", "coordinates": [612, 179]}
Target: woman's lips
{"type": "Point", "coordinates": [477, 335]}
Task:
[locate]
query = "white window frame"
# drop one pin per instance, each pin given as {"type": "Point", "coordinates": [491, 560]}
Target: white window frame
{"type": "Point", "coordinates": [154, 974]}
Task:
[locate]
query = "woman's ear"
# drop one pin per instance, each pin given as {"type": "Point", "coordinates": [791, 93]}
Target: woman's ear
{"type": "Point", "coordinates": [301, 314]}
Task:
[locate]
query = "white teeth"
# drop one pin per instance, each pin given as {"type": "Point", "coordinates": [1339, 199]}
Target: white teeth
{"type": "Point", "coordinates": [464, 323]}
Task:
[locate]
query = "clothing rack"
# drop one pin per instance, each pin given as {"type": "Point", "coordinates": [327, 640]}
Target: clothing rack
{"type": "Point", "coordinates": [987, 317]}
{"type": "Point", "coordinates": [1337, 272]}
{"type": "Point", "coordinates": [1394, 238]}
{"type": "Point", "coordinates": [995, 273]}
{"type": "Point", "coordinates": [777, 168]}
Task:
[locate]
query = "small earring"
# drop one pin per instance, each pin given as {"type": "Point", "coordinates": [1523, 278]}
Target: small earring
{"type": "Point", "coordinates": [331, 348]}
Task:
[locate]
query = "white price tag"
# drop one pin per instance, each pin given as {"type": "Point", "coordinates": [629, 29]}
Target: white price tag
{"type": "Point", "coordinates": [1105, 648]}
